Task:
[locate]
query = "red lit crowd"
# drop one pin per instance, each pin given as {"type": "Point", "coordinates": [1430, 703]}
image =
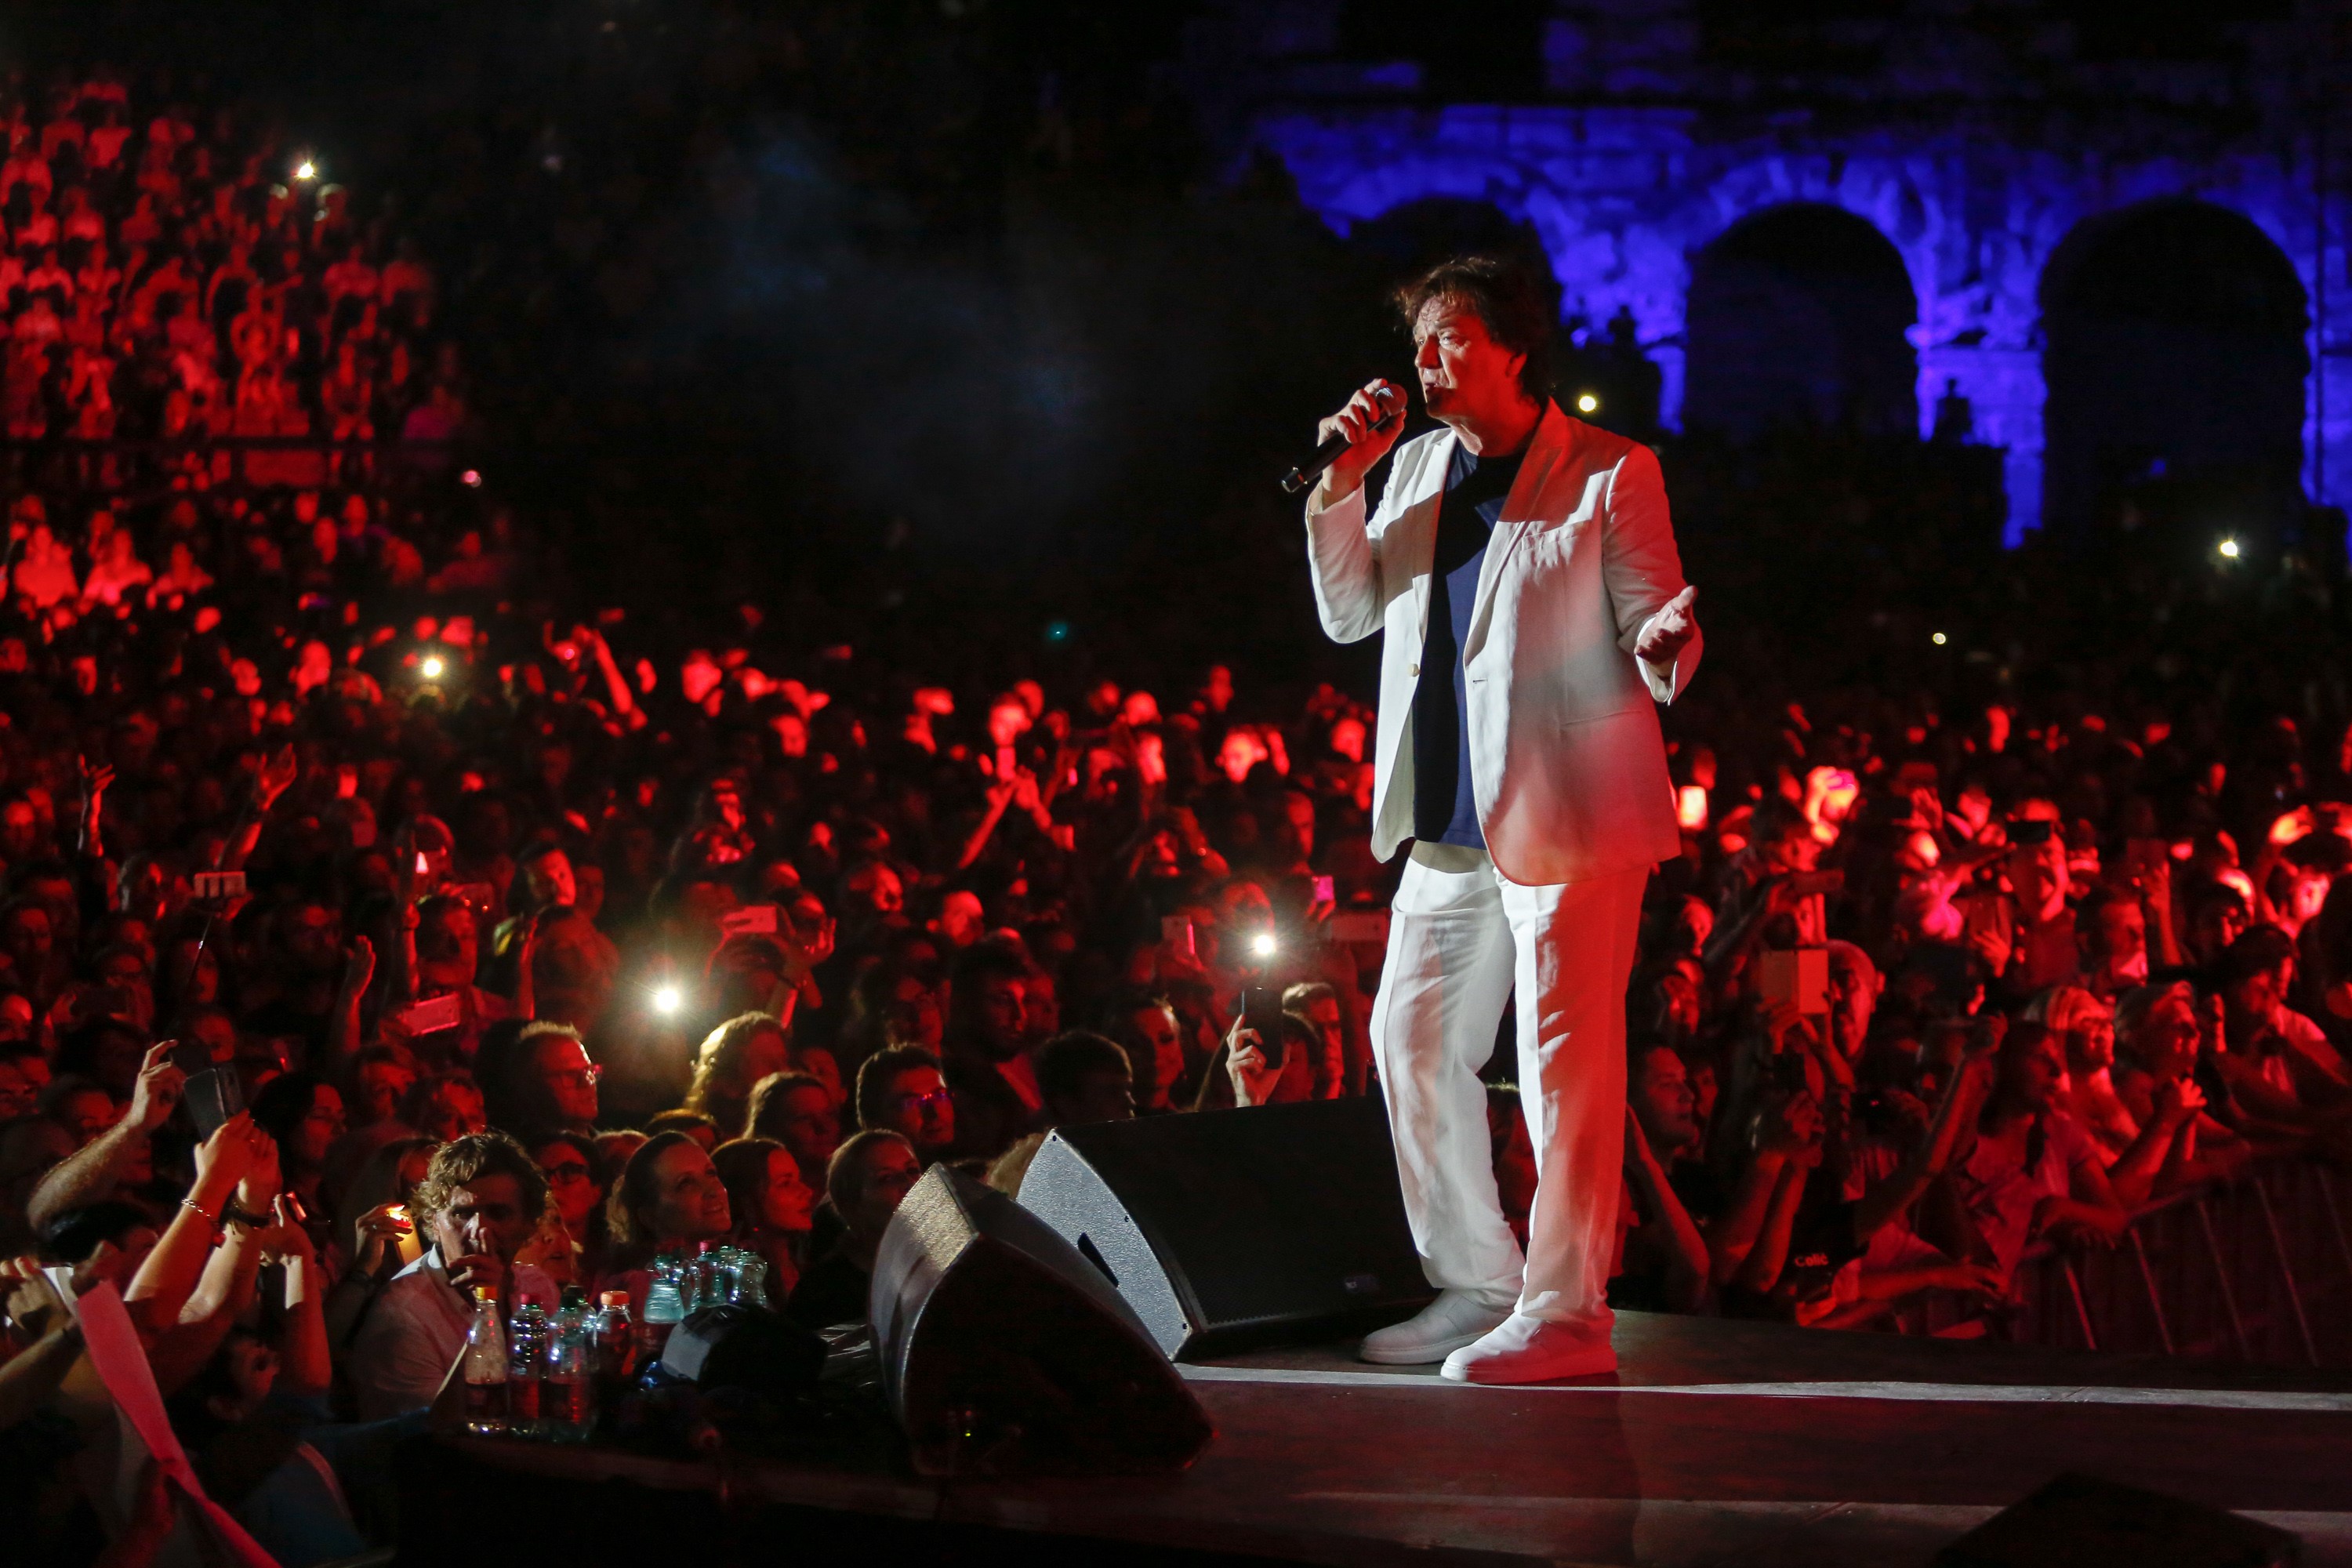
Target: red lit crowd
{"type": "Point", "coordinates": [365, 938]}
{"type": "Point", "coordinates": [169, 278]}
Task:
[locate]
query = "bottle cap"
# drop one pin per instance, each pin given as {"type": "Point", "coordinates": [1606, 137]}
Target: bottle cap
{"type": "Point", "coordinates": [614, 1299]}
{"type": "Point", "coordinates": [486, 1292]}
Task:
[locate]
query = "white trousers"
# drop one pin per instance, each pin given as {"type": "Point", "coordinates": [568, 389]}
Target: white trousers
{"type": "Point", "coordinates": [1460, 938]}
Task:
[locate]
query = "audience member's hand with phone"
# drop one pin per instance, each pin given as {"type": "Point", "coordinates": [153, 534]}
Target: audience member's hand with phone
{"type": "Point", "coordinates": [285, 1238]}
{"type": "Point", "coordinates": [1262, 1015]}
{"type": "Point", "coordinates": [161, 1083]}
{"type": "Point", "coordinates": [1179, 953]}
{"type": "Point", "coordinates": [376, 1239]}
{"type": "Point", "coordinates": [1254, 1074]}
{"type": "Point", "coordinates": [224, 1159]}
{"type": "Point", "coordinates": [213, 1091]}
{"type": "Point", "coordinates": [257, 1193]}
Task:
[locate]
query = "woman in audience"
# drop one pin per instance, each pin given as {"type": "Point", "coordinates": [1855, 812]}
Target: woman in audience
{"type": "Point", "coordinates": [669, 1198]}
{"type": "Point", "coordinates": [798, 1112]}
{"type": "Point", "coordinates": [2086, 1026]}
{"type": "Point", "coordinates": [305, 1115]}
{"type": "Point", "coordinates": [2160, 1042]}
{"type": "Point", "coordinates": [575, 1191]}
{"type": "Point", "coordinates": [774, 1207]}
{"type": "Point", "coordinates": [870, 1175]}
{"type": "Point", "coordinates": [2032, 1173]}
{"type": "Point", "coordinates": [733, 1060]}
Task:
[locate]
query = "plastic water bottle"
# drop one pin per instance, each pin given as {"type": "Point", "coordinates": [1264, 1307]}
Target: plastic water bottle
{"type": "Point", "coordinates": [730, 1275]}
{"type": "Point", "coordinates": [617, 1341]}
{"type": "Point", "coordinates": [567, 1404]}
{"type": "Point", "coordinates": [526, 1341]}
{"type": "Point", "coordinates": [485, 1365]}
{"type": "Point", "coordinates": [751, 1280]}
{"type": "Point", "coordinates": [665, 1309]}
{"type": "Point", "coordinates": [707, 1271]}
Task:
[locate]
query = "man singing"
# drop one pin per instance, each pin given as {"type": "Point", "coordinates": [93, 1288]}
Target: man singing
{"type": "Point", "coordinates": [1523, 569]}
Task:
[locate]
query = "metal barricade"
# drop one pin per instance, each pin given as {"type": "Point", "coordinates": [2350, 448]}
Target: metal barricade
{"type": "Point", "coordinates": [2258, 1269]}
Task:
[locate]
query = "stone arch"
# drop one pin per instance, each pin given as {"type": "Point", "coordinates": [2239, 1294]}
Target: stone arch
{"type": "Point", "coordinates": [1800, 312]}
{"type": "Point", "coordinates": [2174, 352]}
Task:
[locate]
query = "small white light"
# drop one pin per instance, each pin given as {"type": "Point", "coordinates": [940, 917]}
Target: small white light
{"type": "Point", "coordinates": [432, 667]}
{"type": "Point", "coordinates": [1263, 944]}
{"type": "Point", "coordinates": [471, 478]}
{"type": "Point", "coordinates": [2229, 548]}
{"type": "Point", "coordinates": [1939, 639]}
{"type": "Point", "coordinates": [1587, 403]}
{"type": "Point", "coordinates": [668, 1000]}
{"type": "Point", "coordinates": [306, 170]}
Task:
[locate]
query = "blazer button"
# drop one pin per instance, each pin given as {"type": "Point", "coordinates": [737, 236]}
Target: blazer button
{"type": "Point", "coordinates": [1412, 670]}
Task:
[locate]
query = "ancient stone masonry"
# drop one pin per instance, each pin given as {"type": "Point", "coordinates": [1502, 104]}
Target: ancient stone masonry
{"type": "Point", "coordinates": [1976, 141]}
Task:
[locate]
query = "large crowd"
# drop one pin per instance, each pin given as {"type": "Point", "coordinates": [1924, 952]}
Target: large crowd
{"type": "Point", "coordinates": [371, 933]}
{"type": "Point", "coordinates": [167, 281]}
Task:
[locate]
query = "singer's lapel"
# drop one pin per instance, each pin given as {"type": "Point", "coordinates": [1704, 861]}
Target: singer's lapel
{"type": "Point", "coordinates": [1545, 453]}
{"type": "Point", "coordinates": [1436, 462]}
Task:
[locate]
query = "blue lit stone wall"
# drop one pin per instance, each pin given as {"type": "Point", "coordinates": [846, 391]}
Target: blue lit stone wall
{"type": "Point", "coordinates": [1623, 196]}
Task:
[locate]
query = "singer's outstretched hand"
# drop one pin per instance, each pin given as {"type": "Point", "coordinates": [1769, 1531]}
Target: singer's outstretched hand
{"type": "Point", "coordinates": [1663, 635]}
{"type": "Point", "coordinates": [1378, 401]}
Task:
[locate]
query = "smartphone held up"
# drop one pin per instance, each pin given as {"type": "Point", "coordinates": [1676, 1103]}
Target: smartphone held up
{"type": "Point", "coordinates": [1262, 1012]}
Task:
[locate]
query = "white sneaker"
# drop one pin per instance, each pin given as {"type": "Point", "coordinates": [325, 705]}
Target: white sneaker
{"type": "Point", "coordinates": [1533, 1350]}
{"type": "Point", "coordinates": [1455, 1319]}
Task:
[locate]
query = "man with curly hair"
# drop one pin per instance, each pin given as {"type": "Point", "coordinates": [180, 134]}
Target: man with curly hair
{"type": "Point", "coordinates": [479, 1202]}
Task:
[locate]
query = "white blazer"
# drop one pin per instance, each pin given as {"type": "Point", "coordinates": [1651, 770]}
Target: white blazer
{"type": "Point", "coordinates": [1567, 763]}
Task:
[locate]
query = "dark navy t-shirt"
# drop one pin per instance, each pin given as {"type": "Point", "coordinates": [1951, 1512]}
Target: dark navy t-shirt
{"type": "Point", "coordinates": [1443, 809]}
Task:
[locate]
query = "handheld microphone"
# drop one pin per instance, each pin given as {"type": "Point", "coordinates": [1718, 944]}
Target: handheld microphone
{"type": "Point", "coordinates": [1306, 473]}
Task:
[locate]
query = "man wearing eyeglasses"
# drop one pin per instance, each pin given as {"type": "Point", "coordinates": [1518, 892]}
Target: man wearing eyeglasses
{"type": "Point", "coordinates": [902, 1090]}
{"type": "Point", "coordinates": [550, 1085]}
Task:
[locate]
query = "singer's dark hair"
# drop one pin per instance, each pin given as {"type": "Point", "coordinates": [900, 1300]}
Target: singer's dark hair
{"type": "Point", "coordinates": [1506, 299]}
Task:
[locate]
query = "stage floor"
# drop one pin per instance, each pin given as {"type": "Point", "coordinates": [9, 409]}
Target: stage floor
{"type": "Point", "coordinates": [1753, 1443]}
{"type": "Point", "coordinates": [1715, 1442]}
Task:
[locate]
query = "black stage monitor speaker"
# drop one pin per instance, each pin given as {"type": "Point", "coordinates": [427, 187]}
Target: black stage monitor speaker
{"type": "Point", "coordinates": [744, 1347]}
{"type": "Point", "coordinates": [1235, 1227]}
{"type": "Point", "coordinates": [1004, 1352]}
{"type": "Point", "coordinates": [2080, 1519]}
